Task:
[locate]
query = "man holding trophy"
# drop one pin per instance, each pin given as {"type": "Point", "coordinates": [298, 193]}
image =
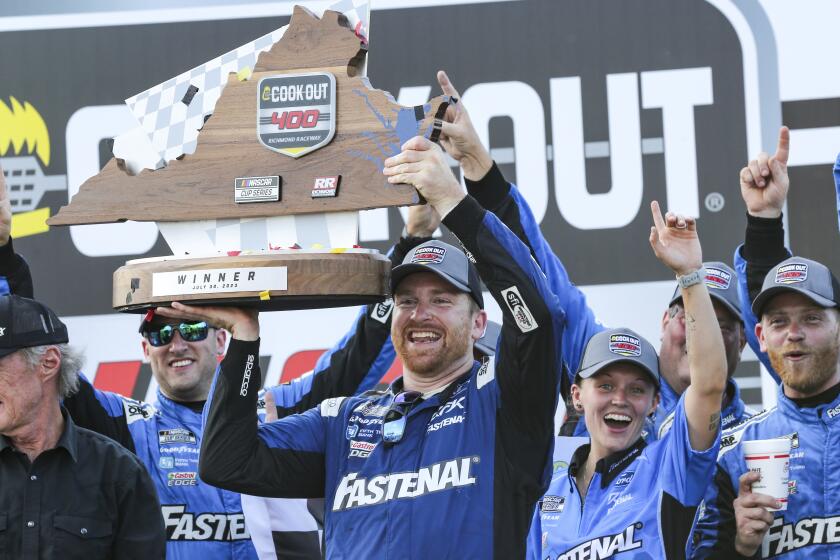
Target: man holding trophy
{"type": "Point", "coordinates": [452, 435]}
{"type": "Point", "coordinates": [259, 219]}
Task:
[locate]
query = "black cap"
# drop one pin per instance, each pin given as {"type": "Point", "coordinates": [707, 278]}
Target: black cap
{"type": "Point", "coordinates": [809, 278]}
{"type": "Point", "coordinates": [446, 261]}
{"type": "Point", "coordinates": [25, 323]}
{"type": "Point", "coordinates": [722, 283]}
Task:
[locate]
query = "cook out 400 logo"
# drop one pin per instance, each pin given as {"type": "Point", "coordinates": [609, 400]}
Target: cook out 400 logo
{"type": "Point", "coordinates": [296, 112]}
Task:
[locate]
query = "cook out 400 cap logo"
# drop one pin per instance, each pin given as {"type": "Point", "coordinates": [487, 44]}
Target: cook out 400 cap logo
{"type": "Point", "coordinates": [718, 278]}
{"type": "Point", "coordinates": [792, 273]}
{"type": "Point", "coordinates": [625, 345]}
{"type": "Point", "coordinates": [429, 255]}
{"type": "Point", "coordinates": [296, 112]}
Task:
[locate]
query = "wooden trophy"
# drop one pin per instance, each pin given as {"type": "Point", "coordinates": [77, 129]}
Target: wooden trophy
{"type": "Point", "coordinates": [299, 141]}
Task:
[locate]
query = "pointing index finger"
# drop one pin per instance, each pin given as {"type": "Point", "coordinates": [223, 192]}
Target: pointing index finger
{"type": "Point", "coordinates": [658, 221]}
{"type": "Point", "coordinates": [446, 85]}
{"type": "Point", "coordinates": [783, 149]}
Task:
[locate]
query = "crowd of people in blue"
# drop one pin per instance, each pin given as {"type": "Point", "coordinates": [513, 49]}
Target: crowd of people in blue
{"type": "Point", "coordinates": [454, 458]}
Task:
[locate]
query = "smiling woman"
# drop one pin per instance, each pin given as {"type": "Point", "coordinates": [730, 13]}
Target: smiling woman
{"type": "Point", "coordinates": [622, 493]}
{"type": "Point", "coordinates": [617, 389]}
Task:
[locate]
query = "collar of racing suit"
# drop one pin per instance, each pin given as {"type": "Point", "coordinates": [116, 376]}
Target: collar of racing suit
{"type": "Point", "coordinates": [825, 397]}
{"type": "Point", "coordinates": [445, 392]}
{"type": "Point", "coordinates": [181, 411]}
{"type": "Point", "coordinates": [810, 413]}
{"type": "Point", "coordinates": [610, 466]}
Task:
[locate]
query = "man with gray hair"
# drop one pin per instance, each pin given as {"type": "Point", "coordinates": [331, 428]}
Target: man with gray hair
{"type": "Point", "coordinates": [64, 490]}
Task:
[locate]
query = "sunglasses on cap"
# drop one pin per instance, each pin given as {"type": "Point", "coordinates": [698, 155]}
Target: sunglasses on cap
{"type": "Point", "coordinates": [190, 332]}
{"type": "Point", "coordinates": [393, 423]}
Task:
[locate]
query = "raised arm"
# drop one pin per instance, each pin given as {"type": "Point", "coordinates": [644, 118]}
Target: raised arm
{"type": "Point", "coordinates": [234, 453]}
{"type": "Point", "coordinates": [488, 186]}
{"type": "Point", "coordinates": [528, 359]}
{"type": "Point", "coordinates": [764, 188]}
{"type": "Point", "coordinates": [674, 241]}
{"type": "Point", "coordinates": [15, 277]}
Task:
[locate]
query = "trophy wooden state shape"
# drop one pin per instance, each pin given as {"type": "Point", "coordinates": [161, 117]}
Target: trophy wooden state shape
{"type": "Point", "coordinates": [291, 153]}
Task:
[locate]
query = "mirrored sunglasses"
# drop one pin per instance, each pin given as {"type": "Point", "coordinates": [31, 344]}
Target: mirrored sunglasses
{"type": "Point", "coordinates": [190, 332]}
{"type": "Point", "coordinates": [393, 423]}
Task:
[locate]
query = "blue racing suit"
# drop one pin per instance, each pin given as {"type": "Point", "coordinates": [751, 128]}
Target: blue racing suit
{"type": "Point", "coordinates": [494, 193]}
{"type": "Point", "coordinates": [746, 310]}
{"type": "Point", "coordinates": [475, 455]}
{"type": "Point", "coordinates": [641, 501]}
{"type": "Point", "coordinates": [810, 528]}
{"type": "Point", "coordinates": [203, 521]}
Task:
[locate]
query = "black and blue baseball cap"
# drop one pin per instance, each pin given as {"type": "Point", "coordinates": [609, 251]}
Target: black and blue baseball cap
{"type": "Point", "coordinates": [448, 262]}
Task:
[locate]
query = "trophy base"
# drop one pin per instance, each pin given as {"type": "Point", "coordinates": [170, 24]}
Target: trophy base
{"type": "Point", "coordinates": [268, 281]}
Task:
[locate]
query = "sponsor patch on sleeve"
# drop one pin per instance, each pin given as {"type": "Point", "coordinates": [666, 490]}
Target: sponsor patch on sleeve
{"type": "Point", "coordinates": [381, 311]}
{"type": "Point", "coordinates": [518, 308]}
{"type": "Point", "coordinates": [486, 373]}
{"type": "Point", "coordinates": [135, 410]}
{"type": "Point", "coordinates": [330, 407]}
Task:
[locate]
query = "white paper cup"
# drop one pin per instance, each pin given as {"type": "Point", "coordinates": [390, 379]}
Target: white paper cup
{"type": "Point", "coordinates": [771, 459]}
